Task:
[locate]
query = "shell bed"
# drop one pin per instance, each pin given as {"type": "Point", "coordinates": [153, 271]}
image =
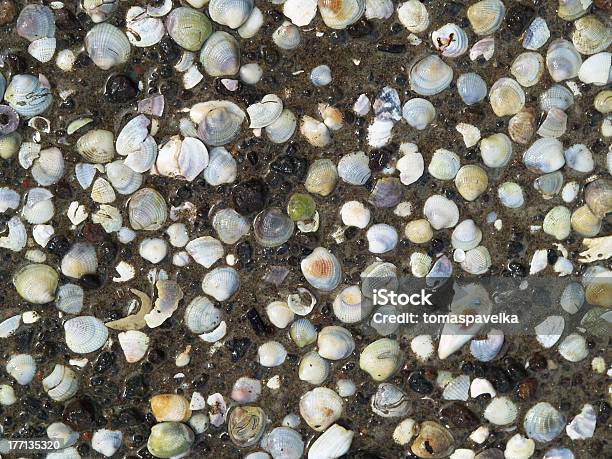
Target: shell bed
{"type": "Point", "coordinates": [198, 198]}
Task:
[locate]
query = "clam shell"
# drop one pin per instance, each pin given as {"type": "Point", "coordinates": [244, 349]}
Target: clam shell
{"type": "Point", "coordinates": [134, 344]}
{"type": "Point", "coordinates": [556, 96]}
{"type": "Point", "coordinates": [434, 441]}
{"type": "Point", "coordinates": [170, 439]}
{"type": "Point", "coordinates": [271, 227]}
{"type": "Point", "coordinates": [80, 260]}
{"type": "Point", "coordinates": [313, 368]}
{"type": "Point", "coordinates": [283, 441]}
{"type": "Point", "coordinates": [36, 283]}
{"type": "Point", "coordinates": [543, 422]}
{"type": "Point", "coordinates": [419, 113]}
{"type": "Point", "coordinates": [466, 235]}
{"type": "Point", "coordinates": [252, 25]}
{"type": "Point", "coordinates": [441, 212]}
{"type": "Point", "coordinates": [205, 250]}
{"type": "Point", "coordinates": [220, 55]}
{"type": "Point", "coordinates": [320, 408]}
{"type": "Point", "coordinates": [219, 122]}
{"type": "Point", "coordinates": [61, 384]}
{"type": "Point", "coordinates": [264, 113]}
{"type": "Point", "coordinates": [281, 130]}
{"type": "Point", "coordinates": [390, 401]}
{"type": "Point", "coordinates": [335, 343]}
{"type": "Point", "coordinates": [418, 231]}
{"type": "Point", "coordinates": [549, 184]}
{"type": "Point", "coordinates": [501, 411]}
{"type": "Point", "coordinates": [591, 35]}
{"type": "Point", "coordinates": [485, 350]}
{"type": "Point", "coordinates": [554, 125]}
{"type": "Point", "coordinates": [569, 10]}
{"type": "Point", "coordinates": [562, 60]}
{"type": "Point", "coordinates": [471, 88]}
{"type": "Point", "coordinates": [354, 168]}
{"type": "Point", "coordinates": [287, 36]}
{"type": "Point", "coordinates": [572, 298]}
{"type": "Point", "coordinates": [521, 126]}
{"type": "Point", "coordinates": [457, 389]}
{"type": "Point", "coordinates": [544, 156]}
{"type": "Point", "coordinates": [471, 181]}
{"type": "Point", "coordinates": [107, 46]}
{"type": "Point", "coordinates": [123, 179]}
{"type": "Point", "coordinates": [382, 238]}
{"type": "Point", "coordinates": [430, 75]}
{"type": "Point", "coordinates": [106, 442]}
{"type": "Point", "coordinates": [222, 167]}
{"type": "Point", "coordinates": [451, 40]}
{"type": "Point", "coordinates": [321, 75]}
{"type": "Point", "coordinates": [557, 222]}
{"type": "Point", "coordinates": [340, 14]}
{"type": "Point", "coordinates": [221, 283]}
{"type": "Point", "coordinates": [349, 306]}
{"type": "Point", "coordinates": [322, 269]}
{"type": "Point", "coordinates": [35, 22]}
{"type": "Point", "coordinates": [322, 177]}
{"type": "Point", "coordinates": [486, 16]}
{"type": "Point", "coordinates": [496, 150]}
{"type": "Point", "coordinates": [28, 96]}
{"type": "Point", "coordinates": [334, 442]}
{"type": "Point", "coordinates": [598, 196]}
{"type": "Point", "coordinates": [510, 194]}
{"type": "Point", "coordinates": [230, 13]}
{"type": "Point", "coordinates": [42, 49]}
{"type": "Point", "coordinates": [147, 210]}
{"type": "Point", "coordinates": [271, 354]}
{"type": "Point", "coordinates": [246, 425]}
{"type": "Point", "coordinates": [102, 192]}
{"type": "Point", "coordinates": [316, 133]}
{"type": "Point", "coordinates": [38, 206]}
{"type": "Point", "coordinates": [279, 314]}
{"type": "Point", "coordinates": [381, 359]}
{"type": "Point", "coordinates": [170, 407]}
{"type": "Point", "coordinates": [574, 348]}
{"type": "Point", "coordinates": [414, 16]}
{"type": "Point", "coordinates": [48, 168]}
{"type": "Point", "coordinates": [245, 390]}
{"type": "Point", "coordinates": [477, 261]}
{"type": "Point", "coordinates": [143, 30]}
{"type": "Point", "coordinates": [583, 425]}
{"type": "Point", "coordinates": [69, 299]}
{"type": "Point", "coordinates": [519, 447]}
{"type": "Point", "coordinates": [97, 146]}
{"type": "Point", "coordinates": [549, 331]}
{"type": "Point", "coordinates": [444, 164]}
{"type": "Point", "coordinates": [189, 28]}
{"type": "Point", "coordinates": [22, 367]}
{"type": "Point", "coordinates": [85, 334]}
{"type": "Point", "coordinates": [230, 226]}
{"type": "Point", "coordinates": [201, 316]}
{"type": "Point", "coordinates": [506, 97]}
{"type": "Point", "coordinates": [536, 35]}
{"type": "Point", "coordinates": [528, 68]}
{"type": "Point", "coordinates": [411, 167]}
{"type": "Point", "coordinates": [303, 332]}
{"type": "Point", "coordinates": [585, 223]}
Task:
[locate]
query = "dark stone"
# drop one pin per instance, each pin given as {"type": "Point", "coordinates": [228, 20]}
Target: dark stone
{"type": "Point", "coordinates": [419, 383]}
{"type": "Point", "coordinates": [460, 416]}
{"type": "Point", "coordinates": [519, 16]}
{"type": "Point", "coordinates": [391, 48]}
{"type": "Point", "coordinates": [538, 362]}
{"type": "Point", "coordinates": [93, 232]}
{"type": "Point", "coordinates": [120, 89]}
{"type": "Point", "coordinates": [58, 246]}
{"type": "Point", "coordinates": [238, 347]}
{"type": "Point", "coordinates": [250, 196]}
{"type": "Point", "coordinates": [80, 414]}
{"type": "Point", "coordinates": [290, 165]}
{"type": "Point", "coordinates": [7, 12]}
{"type": "Point", "coordinates": [66, 20]}
{"type": "Point", "coordinates": [527, 389]}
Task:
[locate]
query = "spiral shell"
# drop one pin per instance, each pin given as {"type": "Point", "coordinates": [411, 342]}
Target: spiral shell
{"type": "Point", "coordinates": [107, 46]}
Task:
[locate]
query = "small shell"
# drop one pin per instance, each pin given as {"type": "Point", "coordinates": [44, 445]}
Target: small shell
{"type": "Point", "coordinates": [471, 181]}
{"type": "Point", "coordinates": [451, 40]}
{"type": "Point", "coordinates": [354, 168]}
{"type": "Point", "coordinates": [574, 348]}
{"type": "Point", "coordinates": [598, 196]}
{"type": "Point", "coordinates": [549, 184]}
{"type": "Point", "coordinates": [221, 283]}
{"type": "Point", "coordinates": [271, 354]}
{"type": "Point", "coordinates": [334, 442]}
{"type": "Point", "coordinates": [189, 28]}
{"type": "Point", "coordinates": [107, 46]}
{"type": "Point", "coordinates": [441, 212]}
{"type": "Point", "coordinates": [142, 29]}
{"type": "Point", "coordinates": [80, 260]}
{"type": "Point", "coordinates": [22, 367]}
{"type": "Point", "coordinates": [528, 68]}
{"type": "Point", "coordinates": [418, 231]}
{"type": "Point", "coordinates": [549, 331]}
{"type": "Point", "coordinates": [341, 14]}
{"type": "Point", "coordinates": [390, 401]}
{"type": "Point", "coordinates": [283, 442]}
{"type": "Point", "coordinates": [354, 213]}
{"type": "Point", "coordinates": [496, 150]}
{"type": "Point", "coordinates": [591, 35]}
{"type": "Point", "coordinates": [557, 222]}
{"type": "Point", "coordinates": [230, 226]}
{"type": "Point", "coordinates": [219, 122]}
{"type": "Point", "coordinates": [287, 36]}
{"type": "Point", "coordinates": [69, 299]}
{"type": "Point", "coordinates": [222, 167]}
{"type": "Point", "coordinates": [170, 439]}
{"type": "Point", "coordinates": [585, 223]}
{"type": "Point", "coordinates": [316, 133]}
{"type": "Point", "coordinates": [335, 343]}
{"type": "Point", "coordinates": [303, 332]}
{"type": "Point", "coordinates": [134, 345]}
{"type": "Point", "coordinates": [381, 359]}
{"type": "Point", "coordinates": [85, 334]}
{"type": "Point", "coordinates": [485, 350]}
{"type": "Point", "coordinates": [556, 96]}
{"type": "Point", "coordinates": [205, 250]}
{"type": "Point", "coordinates": [434, 441]}
{"type": "Point", "coordinates": [414, 16]}
{"type": "Point", "coordinates": [123, 179]}
{"type": "Point", "coordinates": [544, 156]}
{"type": "Point", "coordinates": [583, 425]}
{"type": "Point", "coordinates": [572, 298]}
{"type": "Point", "coordinates": [419, 113]}
{"type": "Point", "coordinates": [281, 130]}
{"type": "Point", "coordinates": [266, 112]}
{"type": "Point", "coordinates": [349, 305]}
{"type": "Point", "coordinates": [38, 207]}
{"type": "Point", "coordinates": [471, 88]}
{"type": "Point", "coordinates": [322, 269]}
{"type": "Point", "coordinates": [466, 235]}
{"type": "Point", "coordinates": [42, 49]}
{"type": "Point", "coordinates": [48, 168]}
{"type": "Point", "coordinates": [322, 177]}
{"type": "Point", "coordinates": [382, 238]}
{"type": "Point", "coordinates": [230, 13]}
{"type": "Point", "coordinates": [569, 10]}
{"type": "Point", "coordinates": [61, 384]}
{"type": "Point", "coordinates": [279, 314]}
{"type": "Point", "coordinates": [246, 425]}
{"type": "Point", "coordinates": [404, 431]}
{"type": "Point", "coordinates": [430, 75]}
{"type": "Point", "coordinates": [519, 447]}
{"type": "Point", "coordinates": [596, 69]}
{"type": "Point", "coordinates": [245, 390]}
{"type": "Point", "coordinates": [420, 264]}
{"type": "Point", "coordinates": [411, 167]}
{"type": "Point", "coordinates": [486, 16]}
{"type": "Point", "coordinates": [252, 25]}
{"type": "Point", "coordinates": [102, 192]}
{"type": "Point", "coordinates": [321, 75]}
{"type": "Point", "coordinates": [170, 407]}
{"type": "Point", "coordinates": [483, 48]}
{"type": "Point", "coordinates": [558, 453]}
{"type": "Point", "coordinates": [510, 194]}
{"type": "Point", "coordinates": [444, 165]}
{"type": "Point", "coordinates": [271, 227]}
{"type": "Point", "coordinates": [28, 95]}
{"type": "Point", "coordinates": [543, 422]}
{"type": "Point", "coordinates": [562, 60]}
{"type": "Point", "coordinates": [313, 368]}
{"type": "Point", "coordinates": [501, 411]}
{"type": "Point", "coordinates": [201, 316]}
{"type": "Point", "coordinates": [320, 408]}
{"type": "Point", "coordinates": [506, 97]}
{"type": "Point", "coordinates": [477, 260]}
{"type": "Point", "coordinates": [554, 125]}
{"type": "Point", "coordinates": [521, 126]}
{"type": "Point", "coordinates": [147, 210]}
{"type": "Point", "coordinates": [36, 283]}
{"type": "Point", "coordinates": [457, 388]}
{"type": "Point", "coordinates": [220, 55]}
{"type": "Point", "coordinates": [536, 35]}
{"type": "Point", "coordinates": [106, 442]}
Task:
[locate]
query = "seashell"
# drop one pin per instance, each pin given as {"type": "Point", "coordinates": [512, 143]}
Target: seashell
{"type": "Point", "coordinates": [201, 316]}
{"type": "Point", "coordinates": [279, 314]}
{"type": "Point", "coordinates": [598, 287]}
{"type": "Point", "coordinates": [42, 49]}
{"type": "Point", "coordinates": [313, 368]}
{"type": "Point", "coordinates": [48, 168]}
{"type": "Point", "coordinates": [557, 222]}
{"type": "Point", "coordinates": [484, 48]}
{"type": "Point", "coordinates": [466, 235]}
{"type": "Point", "coordinates": [147, 210]}
{"type": "Point", "coordinates": [80, 260]}
{"type": "Point", "coordinates": [153, 250]}
{"type": "Point", "coordinates": [569, 10]}
{"type": "Point", "coordinates": [457, 388]}
{"type": "Point", "coordinates": [134, 344]}
{"type": "Point", "coordinates": [486, 16]}
{"type": "Point", "coordinates": [354, 213]}
{"type": "Point", "coordinates": [271, 354]}
{"type": "Point", "coordinates": [60, 431]}
{"type": "Point", "coordinates": [85, 334]}
{"type": "Point", "coordinates": [133, 135]}
{"type": "Point", "coordinates": [549, 331]}
{"type": "Point", "coordinates": [220, 55]}
{"type": "Point", "coordinates": [9, 326]}
{"type": "Point", "coordinates": [598, 196]}
{"type": "Point", "coordinates": [221, 283]}
{"type": "Point", "coordinates": [320, 408]}
{"type": "Point", "coordinates": [302, 302]}
{"type": "Point", "coordinates": [573, 348]}
{"type": "Point", "coordinates": [471, 181]}
{"type": "Point", "coordinates": [596, 69]}
{"type": "Point", "coordinates": [316, 133]}
{"type": "Point", "coordinates": [283, 442]}
{"type": "Point", "coordinates": [556, 96]}
{"type": "Point", "coordinates": [521, 126]}
{"type": "Point", "coordinates": [597, 322]}
{"type": "Point", "coordinates": [441, 212]}
{"type": "Point", "coordinates": [230, 226]}
{"type": "Point", "coordinates": [219, 122]}
{"type": "Point", "coordinates": [189, 28]}
{"type": "Point", "coordinates": [536, 35]}
{"type": "Point", "coordinates": [245, 390]}
{"type": "Point", "coordinates": [9, 199]}
{"type": "Point", "coordinates": [444, 164]}
{"type": "Point", "coordinates": [264, 113]}
{"type": "Point", "coordinates": [28, 96]}
{"type": "Point", "coordinates": [544, 156]}
{"type": "Point", "coordinates": [496, 150]}
{"type": "Point", "coordinates": [419, 113]}
{"type": "Point", "coordinates": [585, 223]}
{"type": "Point", "coordinates": [549, 184]}
{"type": "Point", "coordinates": [61, 384]}
{"type": "Point", "coordinates": [252, 25]}
{"type": "Point", "coordinates": [287, 36]}
{"type": "Point", "coordinates": [558, 453]}
{"type": "Point", "coordinates": [582, 427]}
{"type": "Point", "coordinates": [322, 177]}
{"type": "Point", "coordinates": [430, 75]}
{"type": "Point", "coordinates": [485, 350]}
{"type": "Point", "coordinates": [106, 442]}
{"type": "Point", "coordinates": [271, 227]}
{"type": "Point", "coordinates": [142, 29]}
{"type": "Point", "coordinates": [390, 401]}
{"type": "Point", "coordinates": [170, 439]}
{"type": "Point", "coordinates": [246, 425]}
{"type": "Point", "coordinates": [382, 238]}
{"type": "Point", "coordinates": [450, 40]}
{"type": "Point", "coordinates": [123, 179]}
{"type": "Point", "coordinates": [591, 35]}
{"type": "Point", "coordinates": [379, 132]}
{"type": "Point", "coordinates": [572, 298]}
{"type": "Point", "coordinates": [354, 168]}
{"type": "Point", "coordinates": [322, 269]}
{"type": "Point", "coordinates": [510, 194]}
{"type": "Point", "coordinates": [341, 14]}
{"type": "Point", "coordinates": [378, 275]}
{"type": "Point", "coordinates": [404, 431]}
{"type": "Point", "coordinates": [418, 231]}
{"type": "Point", "coordinates": [333, 443]}
{"type": "Point", "coordinates": [170, 407]}
{"type": "Point", "coordinates": [527, 68]}
{"type": "Point", "coordinates": [381, 359]}
{"type": "Point", "coordinates": [554, 125]}
{"type": "Point", "coordinates": [301, 207]}
{"type": "Point", "coordinates": [387, 105]}
{"type": "Point", "coordinates": [477, 260]}
{"type": "Point", "coordinates": [411, 167]}
{"type": "Point", "coordinates": [107, 46]}
{"type": "Point", "coordinates": [562, 60]}
{"type": "Point", "coordinates": [205, 250]}
{"type": "Point", "coordinates": [414, 16]}
{"type": "Point", "coordinates": [501, 411]}
{"type": "Point", "coordinates": [349, 306]}
{"type": "Point", "coordinates": [222, 167]}
{"type": "Point", "coordinates": [420, 264]}
{"type": "Point", "coordinates": [471, 88]}
{"type": "Point", "coordinates": [102, 191]}
{"type": "Point", "coordinates": [519, 447]}
{"type": "Point", "coordinates": [35, 22]}
{"type": "Point", "coordinates": [230, 13]}
{"type": "Point", "coordinates": [69, 299]}
{"type": "Point", "coordinates": [22, 368]}
{"type": "Point", "coordinates": [97, 146]}
{"type": "Point", "coordinates": [506, 97]}
{"type": "Point", "coordinates": [440, 272]}
{"type": "Point", "coordinates": [36, 283]}
{"type": "Point", "coordinates": [182, 159]}
{"type": "Point", "coordinates": [543, 422]}
{"type": "Point", "coordinates": [17, 237]}
{"type": "Point", "coordinates": [281, 130]}
{"type": "Point", "coordinates": [303, 332]}
{"type": "Point", "coordinates": [321, 75]}
{"type": "Point", "coordinates": [9, 143]}
{"type": "Point", "coordinates": [434, 441]}
{"type": "Point", "coordinates": [335, 343]}
{"type": "Point", "coordinates": [38, 208]}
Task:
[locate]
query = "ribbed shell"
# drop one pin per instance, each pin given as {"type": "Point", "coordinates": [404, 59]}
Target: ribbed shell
{"type": "Point", "coordinates": [528, 68]}
{"type": "Point", "coordinates": [506, 97]}
{"type": "Point", "coordinates": [220, 55]}
{"type": "Point", "coordinates": [123, 179]}
{"type": "Point", "coordinates": [441, 212]}
{"type": "Point", "coordinates": [147, 210]}
{"type": "Point", "coordinates": [284, 442]}
{"type": "Point", "coordinates": [544, 156]}
{"type": "Point", "coordinates": [61, 384]}
{"type": "Point", "coordinates": [220, 123]}
{"type": "Point", "coordinates": [381, 359]}
{"type": "Point", "coordinates": [339, 14]}
{"type": "Point", "coordinates": [107, 46]}
{"type": "Point", "coordinates": [35, 22]}
{"type": "Point", "coordinates": [349, 305]}
{"type": "Point", "coordinates": [335, 343]}
{"type": "Point", "coordinates": [27, 95]}
{"type": "Point", "coordinates": [501, 411]}
{"type": "Point", "coordinates": [382, 238]}
{"type": "Point", "coordinates": [562, 60]}
{"type": "Point", "coordinates": [591, 35]}
{"type": "Point", "coordinates": [189, 28]}
{"type": "Point", "coordinates": [466, 235]}
{"type": "Point", "coordinates": [419, 113]}
{"type": "Point", "coordinates": [281, 130]}
{"type": "Point", "coordinates": [22, 367]}
{"type": "Point", "coordinates": [451, 40]}
{"type": "Point", "coordinates": [389, 401]}
{"type": "Point", "coordinates": [69, 299]}
{"type": "Point", "coordinates": [96, 146]}
{"type": "Point", "coordinates": [430, 75]}
{"type": "Point", "coordinates": [320, 408]}
{"type": "Point", "coordinates": [205, 250]}
{"type": "Point", "coordinates": [354, 168]}
{"type": "Point", "coordinates": [230, 226]}
{"type": "Point", "coordinates": [485, 350]}
{"type": "Point", "coordinates": [444, 165]}
{"type": "Point", "coordinates": [486, 16]}
{"type": "Point", "coordinates": [272, 227]}
{"type": "Point", "coordinates": [81, 259]}
{"type": "Point", "coordinates": [221, 283]}
{"type": "Point", "coordinates": [303, 332]}
{"type": "Point", "coordinates": [85, 334]}
{"type": "Point", "coordinates": [201, 316]}
{"type": "Point", "coordinates": [322, 269]}
{"type": "Point", "coordinates": [36, 283]}
{"type": "Point", "coordinates": [322, 177]}
{"type": "Point", "coordinates": [471, 181]}
{"type": "Point", "coordinates": [222, 167]}
{"type": "Point", "coordinates": [264, 113]}
{"type": "Point", "coordinates": [471, 88]}
{"type": "Point", "coordinates": [48, 169]}
{"type": "Point", "coordinates": [231, 13]}
{"type": "Point", "coordinates": [543, 422]}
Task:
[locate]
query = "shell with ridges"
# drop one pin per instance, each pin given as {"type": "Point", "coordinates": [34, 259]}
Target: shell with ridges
{"type": "Point", "coordinates": [36, 283]}
{"type": "Point", "coordinates": [85, 334]}
{"type": "Point", "coordinates": [471, 88]}
{"type": "Point", "coordinates": [107, 46]}
{"type": "Point", "coordinates": [506, 97]}
{"type": "Point", "coordinates": [381, 359]}
{"type": "Point", "coordinates": [486, 16]}
{"type": "Point", "coordinates": [430, 75]}
{"type": "Point", "coordinates": [220, 55]}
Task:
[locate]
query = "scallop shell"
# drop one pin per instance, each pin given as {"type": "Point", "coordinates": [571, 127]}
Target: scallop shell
{"type": "Point", "coordinates": [430, 75]}
{"type": "Point", "coordinates": [562, 60]}
{"type": "Point", "coordinates": [147, 210]}
{"type": "Point", "coordinates": [201, 316]}
{"type": "Point", "coordinates": [441, 212]}
{"type": "Point", "coordinates": [501, 411]}
{"type": "Point", "coordinates": [220, 55]}
{"type": "Point", "coordinates": [303, 332]}
{"type": "Point", "coordinates": [36, 283]}
{"type": "Point", "coordinates": [457, 388]}
{"type": "Point", "coordinates": [543, 422]}
{"type": "Point", "coordinates": [48, 168]}
{"type": "Point", "coordinates": [107, 46]}
{"type": "Point", "coordinates": [591, 35]}
{"type": "Point", "coordinates": [471, 88]}
{"type": "Point", "coordinates": [102, 192]}
{"type": "Point", "coordinates": [61, 384]}
{"type": "Point", "coordinates": [381, 359]}
{"type": "Point", "coordinates": [22, 367]}
{"type": "Point", "coordinates": [42, 49]}
{"type": "Point", "coordinates": [556, 96]}
{"type": "Point", "coordinates": [414, 16]}
{"type": "Point", "coordinates": [106, 442]}
{"type": "Point", "coordinates": [322, 177]}
{"type": "Point", "coordinates": [221, 283]}
{"type": "Point", "coordinates": [69, 299]}
{"type": "Point", "coordinates": [528, 68]}
{"type": "Point", "coordinates": [444, 165]}
{"type": "Point", "coordinates": [471, 181]}
{"type": "Point", "coordinates": [521, 126]}
{"type": "Point", "coordinates": [354, 168]}
{"type": "Point", "coordinates": [477, 260]}
{"type": "Point", "coordinates": [506, 97]}
{"type": "Point", "coordinates": [85, 334]}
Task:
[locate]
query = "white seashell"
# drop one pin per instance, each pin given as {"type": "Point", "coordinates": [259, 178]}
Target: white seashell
{"type": "Point", "coordinates": [85, 174]}
{"type": "Point", "coordinates": [230, 13]}
{"type": "Point", "coordinates": [389, 401]}
{"type": "Point", "coordinates": [335, 442]}
{"type": "Point", "coordinates": [569, 10]}
{"type": "Point", "coordinates": [345, 387]}
{"type": "Point", "coordinates": [22, 368]}
{"type": "Point", "coordinates": [69, 299]}
{"type": "Point", "coordinates": [574, 348]}
{"type": "Point", "coordinates": [466, 235]}
{"type": "Point", "coordinates": [283, 441]}
{"type": "Point", "coordinates": [222, 167]}
{"type": "Point", "coordinates": [354, 168]}
{"type": "Point", "coordinates": [354, 213]}
{"type": "Point", "coordinates": [108, 217]}
{"type": "Point", "coordinates": [471, 88]}
{"type": "Point", "coordinates": [510, 194]}
{"type": "Point", "coordinates": [316, 133]}
{"type": "Point", "coordinates": [444, 164]}
{"type": "Point", "coordinates": [36, 283]}
{"type": "Point", "coordinates": [519, 447]}
{"type": "Point", "coordinates": [264, 113]}
{"type": "Point", "coordinates": [414, 16]}
{"type": "Point", "coordinates": [123, 179]}
{"type": "Point", "coordinates": [543, 422]}
{"type": "Point", "coordinates": [153, 250]}
{"type": "Point", "coordinates": [382, 238]}
{"type": "Point", "coordinates": [230, 225]}
{"type": "Point", "coordinates": [349, 306]}
{"type": "Point", "coordinates": [63, 433]}
{"type": "Point", "coordinates": [539, 261]}
{"type": "Point", "coordinates": [405, 431]}
{"type": "Point", "coordinates": [221, 283]}
{"type": "Point", "coordinates": [85, 334]}
{"type": "Point", "coordinates": [313, 368]}
{"type": "Point", "coordinates": [457, 389]}
{"type": "Point", "coordinates": [220, 55]}
{"type": "Point", "coordinates": [251, 73]}
{"type": "Point", "coordinates": [61, 384]}
{"type": "Point", "coordinates": [471, 181]}
{"type": "Point", "coordinates": [38, 207]}
{"type": "Point", "coordinates": [102, 192]}
{"type": "Point", "coordinates": [252, 25]}
{"type": "Point", "coordinates": [42, 49]}
{"type": "Point", "coordinates": [549, 331]}
{"type": "Point", "coordinates": [381, 359]}
{"type": "Point", "coordinates": [219, 122]}
{"type": "Point", "coordinates": [335, 343]}
{"type": "Point", "coordinates": [106, 442]}
{"type": "Point", "coordinates": [558, 453]}
{"type": "Point", "coordinates": [441, 212]}
{"type": "Point", "coordinates": [77, 213]}
{"type": "Point", "coordinates": [411, 165]}
{"type": "Point", "coordinates": [557, 222]}
{"type": "Point", "coordinates": [544, 155]}
{"type": "Point", "coordinates": [562, 60]}
{"type": "Point", "coordinates": [245, 390]}
{"type": "Point", "coordinates": [496, 150]}
{"type": "Point", "coordinates": [481, 386]}
{"type": "Point", "coordinates": [485, 350]}
{"type": "Point", "coordinates": [583, 425]}
{"type": "Point", "coordinates": [430, 75]}
{"type": "Point", "coordinates": [572, 298]}
{"type": "Point", "coordinates": [528, 68]}
{"type": "Point", "coordinates": [107, 46]}
{"type": "Point", "coordinates": [9, 199]}
{"type": "Point", "coordinates": [570, 191]}
{"type": "Point", "coordinates": [17, 235]}
{"type": "Point", "coordinates": [184, 159]}
{"type": "Point", "coordinates": [554, 125]}
{"type": "Point", "coordinates": [279, 314]}
{"type": "Point", "coordinates": [81, 259]}
{"type": "Point", "coordinates": [477, 260]}
{"type": "Point", "coordinates": [287, 36]}
{"type": "Point", "coordinates": [201, 315]}
{"type": "Point", "coordinates": [379, 133]}
{"type": "Point", "coordinates": [419, 113]}
{"type": "Point", "coordinates": [591, 35]}
{"type": "Point", "coordinates": [321, 75]}
{"type": "Point", "coordinates": [579, 158]}
{"type": "Point", "coordinates": [451, 40]}
{"type": "Point", "coordinates": [281, 130]}
{"type": "Point", "coordinates": [134, 345]}
{"type": "Point", "coordinates": [556, 96]}
{"type": "Point", "coordinates": [300, 12]}
{"type": "Point", "coordinates": [320, 408]}
{"type": "Point", "coordinates": [361, 107]}
{"type": "Point", "coordinates": [422, 346]}
{"type": "Point", "coordinates": [486, 16]}
{"type": "Point", "coordinates": [303, 332]}
{"type": "Point", "coordinates": [501, 411]}
{"type": "Point", "coordinates": [420, 264]}
{"type": "Point", "coordinates": [322, 269]}
{"type": "Point", "coordinates": [28, 95]}
{"type": "Point", "coordinates": [470, 133]}
{"type": "Point", "coordinates": [143, 30]}
{"type": "Point", "coordinates": [536, 35]}
{"type": "Point", "coordinates": [484, 47]}
{"type": "Point", "coordinates": [216, 335]}
{"type": "Point", "coordinates": [506, 97]}
{"type": "Point", "coordinates": [596, 69]}
{"type": "Point", "coordinates": [9, 326]}
{"type": "Point", "coordinates": [271, 354]}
